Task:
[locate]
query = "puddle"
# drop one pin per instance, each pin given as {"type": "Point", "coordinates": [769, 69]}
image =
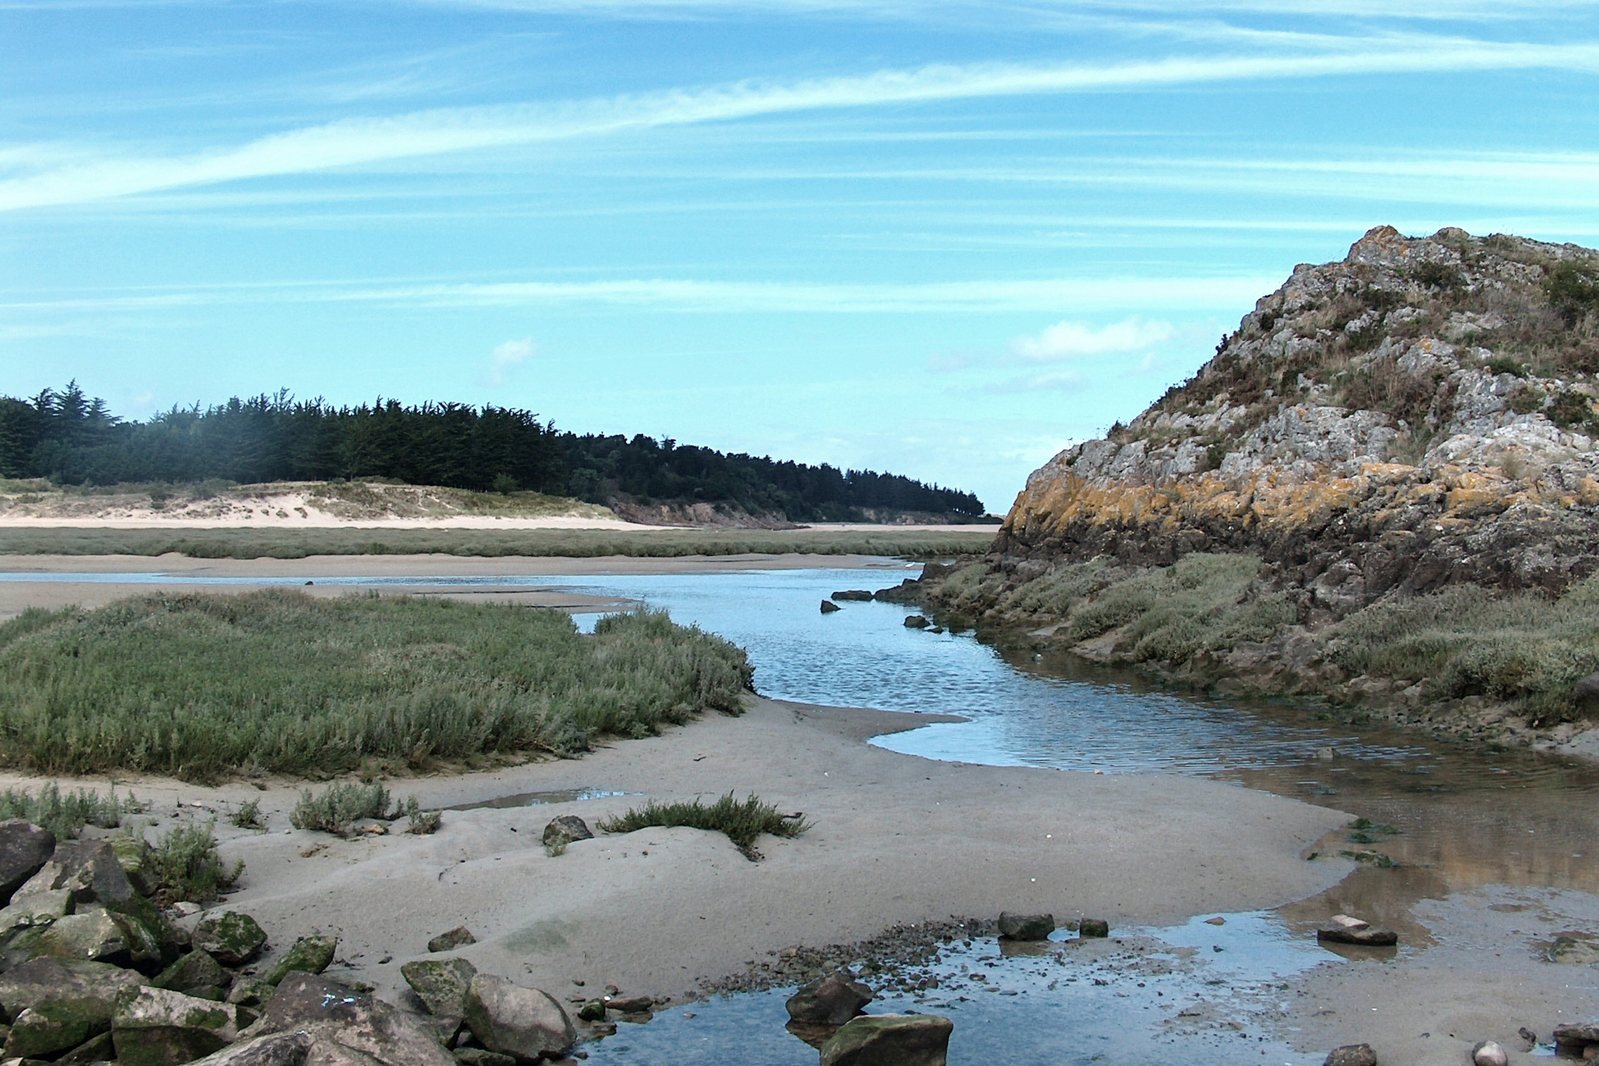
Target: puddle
{"type": "Point", "coordinates": [1194, 992]}
{"type": "Point", "coordinates": [536, 799]}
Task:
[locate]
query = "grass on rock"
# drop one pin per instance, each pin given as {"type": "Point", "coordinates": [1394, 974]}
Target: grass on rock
{"type": "Point", "coordinates": [201, 687]}
{"type": "Point", "coordinates": [742, 820]}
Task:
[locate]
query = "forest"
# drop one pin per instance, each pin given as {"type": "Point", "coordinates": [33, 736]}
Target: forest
{"type": "Point", "coordinates": [68, 437]}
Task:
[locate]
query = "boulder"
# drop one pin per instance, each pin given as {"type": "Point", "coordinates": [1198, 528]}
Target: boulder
{"type": "Point", "coordinates": [441, 984]}
{"type": "Point", "coordinates": [232, 937]}
{"type": "Point", "coordinates": [890, 1040]}
{"type": "Point", "coordinates": [1573, 1037]}
{"type": "Point", "coordinates": [857, 595]}
{"type": "Point", "coordinates": [1489, 1053]}
{"type": "Point", "coordinates": [564, 829]}
{"type": "Point", "coordinates": [829, 607]}
{"type": "Point", "coordinates": [346, 1024]}
{"type": "Point", "coordinates": [1351, 1055]}
{"type": "Point", "coordinates": [629, 1004]}
{"type": "Point", "coordinates": [97, 935]}
{"type": "Point", "coordinates": [38, 908]}
{"type": "Point", "coordinates": [1098, 927]}
{"type": "Point", "coordinates": [95, 1051]}
{"type": "Point", "coordinates": [525, 1023]}
{"type": "Point", "coordinates": [309, 954]}
{"type": "Point", "coordinates": [830, 1000]}
{"type": "Point", "coordinates": [159, 1027]}
{"type": "Point", "coordinates": [24, 849]}
{"type": "Point", "coordinates": [54, 1005]}
{"type": "Point", "coordinates": [88, 869]}
{"type": "Point", "coordinates": [1026, 926]}
{"type": "Point", "coordinates": [457, 937]}
{"type": "Point", "coordinates": [136, 858]}
{"type": "Point", "coordinates": [476, 1056]}
{"type": "Point", "coordinates": [274, 1049]}
{"type": "Point", "coordinates": [916, 621]}
{"type": "Point", "coordinates": [195, 974]}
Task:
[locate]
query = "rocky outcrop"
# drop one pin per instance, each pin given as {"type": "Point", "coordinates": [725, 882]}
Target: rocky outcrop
{"type": "Point", "coordinates": [1419, 414]}
{"type": "Point", "coordinates": [832, 999]}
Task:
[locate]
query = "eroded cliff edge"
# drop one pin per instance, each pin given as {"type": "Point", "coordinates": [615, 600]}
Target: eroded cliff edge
{"type": "Point", "coordinates": [1384, 486]}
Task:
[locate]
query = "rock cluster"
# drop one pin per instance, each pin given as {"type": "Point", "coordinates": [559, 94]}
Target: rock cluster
{"type": "Point", "coordinates": [92, 971]}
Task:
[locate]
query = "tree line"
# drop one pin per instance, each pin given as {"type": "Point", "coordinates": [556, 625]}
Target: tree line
{"type": "Point", "coordinates": [72, 439]}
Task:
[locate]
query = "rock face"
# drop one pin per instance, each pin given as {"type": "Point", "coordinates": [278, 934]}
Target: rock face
{"type": "Point", "coordinates": [1420, 413]}
{"type": "Point", "coordinates": [890, 1040]}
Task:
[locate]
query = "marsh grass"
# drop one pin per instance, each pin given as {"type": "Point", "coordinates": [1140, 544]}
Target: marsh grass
{"type": "Point", "coordinates": [185, 865]}
{"type": "Point", "coordinates": [234, 543]}
{"type": "Point", "coordinates": [418, 821]}
{"type": "Point", "coordinates": [1521, 648]}
{"type": "Point", "coordinates": [248, 816]}
{"type": "Point", "coordinates": [202, 687]}
{"type": "Point", "coordinates": [65, 813]}
{"type": "Point", "coordinates": [743, 821]}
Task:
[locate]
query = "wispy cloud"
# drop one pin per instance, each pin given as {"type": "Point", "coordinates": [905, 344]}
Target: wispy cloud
{"type": "Point", "coordinates": [1071, 340]}
{"type": "Point", "coordinates": [980, 296]}
{"type": "Point", "coordinates": [507, 357]}
{"type": "Point", "coordinates": [368, 141]}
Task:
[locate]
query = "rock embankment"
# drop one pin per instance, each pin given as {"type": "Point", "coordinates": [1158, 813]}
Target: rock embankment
{"type": "Point", "coordinates": [1417, 414]}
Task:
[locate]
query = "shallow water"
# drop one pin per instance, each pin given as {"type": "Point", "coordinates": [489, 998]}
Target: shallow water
{"type": "Point", "coordinates": [1461, 818]}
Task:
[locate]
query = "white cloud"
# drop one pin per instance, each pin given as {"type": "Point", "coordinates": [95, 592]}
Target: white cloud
{"type": "Point", "coordinates": [444, 131]}
{"type": "Point", "coordinates": [507, 356]}
{"type": "Point", "coordinates": [1071, 340]}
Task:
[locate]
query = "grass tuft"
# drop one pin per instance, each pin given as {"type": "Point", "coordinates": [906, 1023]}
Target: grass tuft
{"type": "Point", "coordinates": [64, 813]}
{"type": "Point", "coordinates": [741, 820]}
{"type": "Point", "coordinates": [186, 865]}
{"type": "Point", "coordinates": [340, 805]}
{"type": "Point", "coordinates": [248, 816]}
{"type": "Point", "coordinates": [419, 821]}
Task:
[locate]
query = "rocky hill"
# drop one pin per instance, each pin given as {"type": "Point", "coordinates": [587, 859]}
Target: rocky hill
{"type": "Point", "coordinates": [1420, 413]}
{"type": "Point", "coordinates": [1417, 418]}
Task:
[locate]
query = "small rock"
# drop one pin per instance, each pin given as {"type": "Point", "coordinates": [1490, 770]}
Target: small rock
{"type": "Point", "coordinates": [1351, 1055]}
{"type": "Point", "coordinates": [232, 937]}
{"type": "Point", "coordinates": [890, 1040]}
{"type": "Point", "coordinates": [856, 595]}
{"type": "Point", "coordinates": [457, 937]}
{"type": "Point", "coordinates": [830, 1000]}
{"type": "Point", "coordinates": [1218, 920]}
{"type": "Point", "coordinates": [592, 1011]}
{"type": "Point", "coordinates": [1489, 1053]}
{"type": "Point", "coordinates": [476, 1056]}
{"type": "Point", "coordinates": [566, 829]}
{"type": "Point", "coordinates": [309, 954]}
{"type": "Point", "coordinates": [828, 607]}
{"type": "Point", "coordinates": [1097, 927]}
{"type": "Point", "coordinates": [916, 621]}
{"type": "Point", "coordinates": [629, 1004]}
{"type": "Point", "coordinates": [1368, 937]}
{"type": "Point", "coordinates": [1026, 926]}
{"type": "Point", "coordinates": [1344, 921]}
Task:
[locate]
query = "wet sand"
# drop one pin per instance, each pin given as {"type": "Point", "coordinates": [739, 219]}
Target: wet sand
{"type": "Point", "coordinates": [895, 839]}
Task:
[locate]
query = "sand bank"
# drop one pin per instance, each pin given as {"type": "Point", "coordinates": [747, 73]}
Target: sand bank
{"type": "Point", "coordinates": [896, 839]}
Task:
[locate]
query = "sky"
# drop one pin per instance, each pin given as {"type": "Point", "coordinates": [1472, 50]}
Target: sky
{"type": "Point", "coordinates": [943, 238]}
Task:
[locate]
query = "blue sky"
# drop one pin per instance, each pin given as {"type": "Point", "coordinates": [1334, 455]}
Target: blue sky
{"type": "Point", "coordinates": [936, 237]}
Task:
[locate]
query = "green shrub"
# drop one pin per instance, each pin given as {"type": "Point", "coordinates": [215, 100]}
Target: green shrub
{"type": "Point", "coordinates": [185, 865]}
{"type": "Point", "coordinates": [248, 816]}
{"type": "Point", "coordinates": [340, 805]}
{"type": "Point", "coordinates": [1504, 364]}
{"type": "Point", "coordinates": [742, 820]}
{"type": "Point", "coordinates": [1573, 291]}
{"type": "Point", "coordinates": [419, 821]}
{"type": "Point", "coordinates": [64, 814]}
